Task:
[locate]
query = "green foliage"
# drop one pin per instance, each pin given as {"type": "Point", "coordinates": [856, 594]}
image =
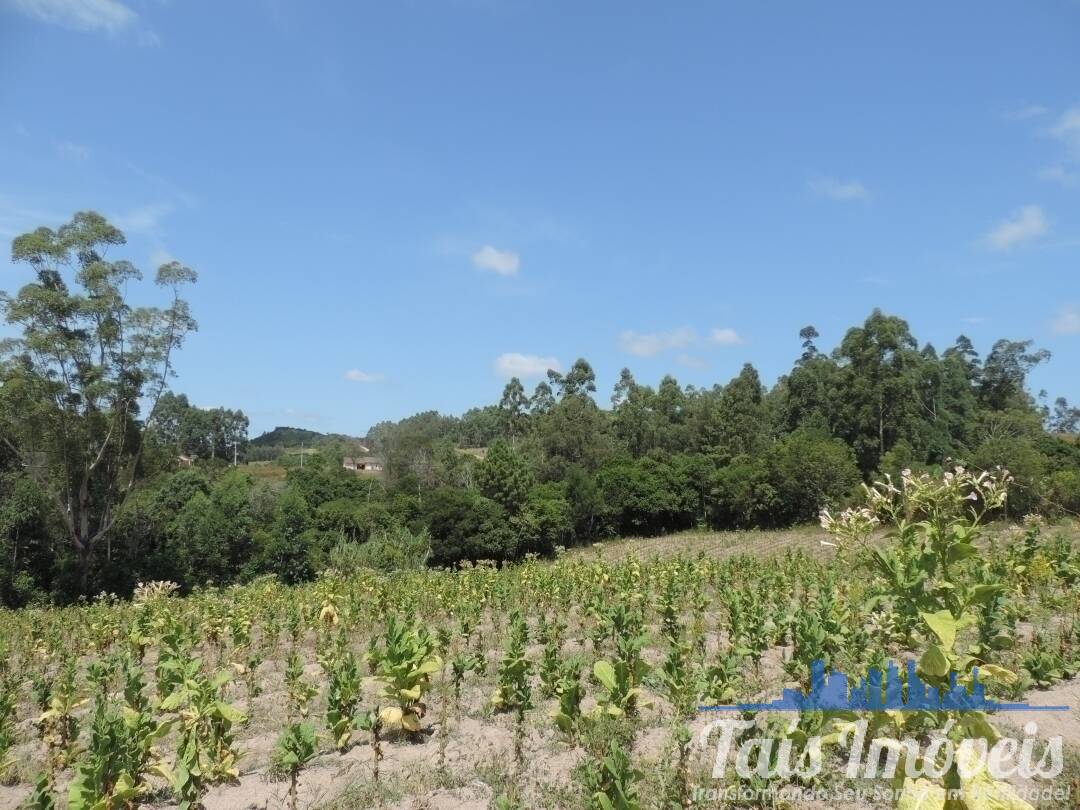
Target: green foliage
{"type": "Point", "coordinates": [292, 751]}
{"type": "Point", "coordinates": [205, 752]}
{"type": "Point", "coordinates": [504, 477]}
{"type": "Point", "coordinates": [611, 780]}
{"type": "Point", "coordinates": [622, 693]}
{"type": "Point", "coordinates": [119, 756]}
{"type": "Point", "coordinates": [394, 549]}
{"type": "Point", "coordinates": [80, 369]}
{"type": "Point", "coordinates": [569, 692]}
{"type": "Point", "coordinates": [467, 526]}
{"type": "Point", "coordinates": [513, 690]}
{"type": "Point", "coordinates": [524, 476]}
{"type": "Point", "coordinates": [343, 693]}
{"type": "Point", "coordinates": [403, 662]}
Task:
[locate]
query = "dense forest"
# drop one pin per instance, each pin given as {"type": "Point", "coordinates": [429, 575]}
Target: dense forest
{"type": "Point", "coordinates": [93, 498]}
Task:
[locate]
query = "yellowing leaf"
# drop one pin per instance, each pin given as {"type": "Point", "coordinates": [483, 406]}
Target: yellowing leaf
{"type": "Point", "coordinates": [982, 791]}
{"type": "Point", "coordinates": [430, 666]}
{"type": "Point", "coordinates": [391, 716]}
{"type": "Point", "coordinates": [920, 794]}
{"type": "Point", "coordinates": [1006, 676]}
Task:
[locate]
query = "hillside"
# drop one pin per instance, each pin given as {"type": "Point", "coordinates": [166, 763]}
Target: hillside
{"type": "Point", "coordinates": [286, 437]}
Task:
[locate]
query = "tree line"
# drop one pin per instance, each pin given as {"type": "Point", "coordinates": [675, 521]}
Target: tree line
{"type": "Point", "coordinates": [90, 431]}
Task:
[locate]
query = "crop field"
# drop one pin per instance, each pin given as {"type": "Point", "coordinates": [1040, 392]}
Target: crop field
{"type": "Point", "coordinates": [563, 684]}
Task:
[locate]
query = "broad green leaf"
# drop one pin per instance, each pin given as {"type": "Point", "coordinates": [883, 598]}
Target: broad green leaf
{"type": "Point", "coordinates": [934, 662]}
{"type": "Point", "coordinates": [227, 712]}
{"type": "Point", "coordinates": [943, 625]}
{"type": "Point", "coordinates": [981, 594]}
{"type": "Point", "coordinates": [961, 551]}
{"type": "Point", "coordinates": [605, 673]}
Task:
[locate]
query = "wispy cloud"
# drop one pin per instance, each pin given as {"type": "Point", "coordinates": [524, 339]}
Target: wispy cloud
{"type": "Point", "coordinates": [1067, 321]}
{"type": "Point", "coordinates": [109, 16]}
{"type": "Point", "coordinates": [841, 190]}
{"type": "Point", "coordinates": [1059, 174]}
{"type": "Point", "coordinates": [1067, 129]}
{"type": "Point", "coordinates": [145, 218]}
{"type": "Point", "coordinates": [356, 375]}
{"type": "Point", "coordinates": [651, 344]}
{"type": "Point", "coordinates": [160, 256]}
{"type": "Point", "coordinates": [1026, 224]}
{"type": "Point", "coordinates": [725, 337]}
{"type": "Point", "coordinates": [1025, 112]}
{"type": "Point", "coordinates": [503, 262]}
{"type": "Point", "coordinates": [17, 217]}
{"type": "Point", "coordinates": [514, 364]}
{"type": "Point", "coordinates": [73, 151]}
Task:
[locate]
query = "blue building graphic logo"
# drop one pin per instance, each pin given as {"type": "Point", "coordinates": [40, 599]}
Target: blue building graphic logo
{"type": "Point", "coordinates": [879, 691]}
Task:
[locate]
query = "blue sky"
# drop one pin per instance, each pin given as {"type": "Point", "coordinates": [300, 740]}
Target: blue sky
{"type": "Point", "coordinates": [392, 206]}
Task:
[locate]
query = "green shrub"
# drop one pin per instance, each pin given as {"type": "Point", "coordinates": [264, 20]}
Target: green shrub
{"type": "Point", "coordinates": [545, 520]}
{"type": "Point", "coordinates": [393, 549]}
{"type": "Point", "coordinates": [467, 526]}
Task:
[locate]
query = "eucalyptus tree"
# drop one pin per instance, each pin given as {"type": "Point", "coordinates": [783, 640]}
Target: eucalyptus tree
{"type": "Point", "coordinates": [82, 378]}
{"type": "Point", "coordinates": [514, 410]}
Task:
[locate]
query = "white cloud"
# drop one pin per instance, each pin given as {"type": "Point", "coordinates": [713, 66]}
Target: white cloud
{"type": "Point", "coordinates": [725, 337]}
{"type": "Point", "coordinates": [110, 16]}
{"type": "Point", "coordinates": [1026, 224]}
{"type": "Point", "coordinates": [73, 151]}
{"type": "Point", "coordinates": [1067, 128]}
{"type": "Point", "coordinates": [144, 219]}
{"type": "Point", "coordinates": [503, 262]}
{"type": "Point", "coordinates": [843, 190]}
{"type": "Point", "coordinates": [1059, 174]}
{"type": "Point", "coordinates": [514, 364]}
{"type": "Point", "coordinates": [652, 343]}
{"type": "Point", "coordinates": [160, 256]}
{"type": "Point", "coordinates": [1025, 112]}
{"type": "Point", "coordinates": [356, 375]}
{"type": "Point", "coordinates": [1068, 320]}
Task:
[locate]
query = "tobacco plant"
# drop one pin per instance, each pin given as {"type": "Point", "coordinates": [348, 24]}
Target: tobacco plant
{"type": "Point", "coordinates": [293, 750]}
{"type": "Point", "coordinates": [403, 663]}
{"type": "Point", "coordinates": [927, 577]}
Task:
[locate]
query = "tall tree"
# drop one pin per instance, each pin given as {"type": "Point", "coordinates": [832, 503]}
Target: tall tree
{"type": "Point", "coordinates": [513, 410]}
{"type": "Point", "coordinates": [542, 400]}
{"type": "Point", "coordinates": [878, 382]}
{"type": "Point", "coordinates": [1004, 374]}
{"type": "Point", "coordinates": [82, 380]}
{"type": "Point", "coordinates": [1066, 418]}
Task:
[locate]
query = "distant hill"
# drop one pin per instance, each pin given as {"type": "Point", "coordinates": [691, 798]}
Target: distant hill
{"type": "Point", "coordinates": [287, 437]}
